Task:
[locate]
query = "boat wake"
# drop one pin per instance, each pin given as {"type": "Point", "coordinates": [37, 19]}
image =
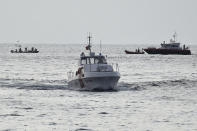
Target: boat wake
{"type": "Point", "coordinates": [138, 86]}
{"type": "Point", "coordinates": [31, 84]}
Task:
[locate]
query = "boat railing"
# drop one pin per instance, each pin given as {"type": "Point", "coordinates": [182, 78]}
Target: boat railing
{"type": "Point", "coordinates": [115, 66]}
{"type": "Point", "coordinates": [151, 47]}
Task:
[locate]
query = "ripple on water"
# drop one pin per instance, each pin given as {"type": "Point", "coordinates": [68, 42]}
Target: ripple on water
{"type": "Point", "coordinates": [103, 113]}
{"type": "Point", "coordinates": [27, 108]}
{"type": "Point", "coordinates": [83, 129]}
{"type": "Point", "coordinates": [52, 123]}
{"type": "Point", "coordinates": [42, 115]}
{"type": "Point", "coordinates": [7, 130]}
{"type": "Point", "coordinates": [12, 114]}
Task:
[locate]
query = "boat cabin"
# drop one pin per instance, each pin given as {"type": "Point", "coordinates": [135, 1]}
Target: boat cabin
{"type": "Point", "coordinates": [170, 45]}
{"type": "Point", "coordinates": [94, 63]}
{"type": "Point", "coordinates": [92, 59]}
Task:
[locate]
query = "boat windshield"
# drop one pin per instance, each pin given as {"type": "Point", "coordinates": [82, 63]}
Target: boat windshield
{"type": "Point", "coordinates": [171, 45]}
{"type": "Point", "coordinates": [100, 60]}
{"type": "Point", "coordinates": [93, 60]}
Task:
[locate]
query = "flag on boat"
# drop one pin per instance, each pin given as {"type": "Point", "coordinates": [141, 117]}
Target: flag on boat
{"type": "Point", "coordinates": [88, 47]}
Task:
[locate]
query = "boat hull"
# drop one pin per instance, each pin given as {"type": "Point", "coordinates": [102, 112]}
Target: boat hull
{"type": "Point", "coordinates": [95, 83]}
{"type": "Point", "coordinates": [132, 52]}
{"type": "Point", "coordinates": [24, 52]}
{"type": "Point", "coordinates": [167, 51]}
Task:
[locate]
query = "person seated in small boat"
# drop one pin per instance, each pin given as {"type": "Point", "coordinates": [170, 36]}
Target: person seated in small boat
{"type": "Point", "coordinates": [20, 50]}
{"type": "Point", "coordinates": [16, 50]}
{"type": "Point", "coordinates": [25, 49]}
{"type": "Point", "coordinates": [35, 50]}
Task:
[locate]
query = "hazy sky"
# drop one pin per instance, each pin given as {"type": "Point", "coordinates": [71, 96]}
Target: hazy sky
{"type": "Point", "coordinates": [112, 21]}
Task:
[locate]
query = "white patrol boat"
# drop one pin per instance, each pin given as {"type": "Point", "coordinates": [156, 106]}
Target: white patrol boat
{"type": "Point", "coordinates": [94, 73]}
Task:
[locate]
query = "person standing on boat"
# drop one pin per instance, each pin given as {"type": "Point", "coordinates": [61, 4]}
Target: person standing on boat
{"type": "Point", "coordinates": [32, 49]}
{"type": "Point", "coordinates": [20, 50]}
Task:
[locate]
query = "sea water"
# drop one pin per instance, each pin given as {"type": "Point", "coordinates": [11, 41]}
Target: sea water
{"type": "Point", "coordinates": [155, 92]}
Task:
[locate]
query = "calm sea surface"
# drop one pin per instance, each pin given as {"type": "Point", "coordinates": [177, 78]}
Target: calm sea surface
{"type": "Point", "coordinates": [155, 92]}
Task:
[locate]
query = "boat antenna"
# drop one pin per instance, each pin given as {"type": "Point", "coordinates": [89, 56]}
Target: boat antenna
{"type": "Point", "coordinates": [100, 47]}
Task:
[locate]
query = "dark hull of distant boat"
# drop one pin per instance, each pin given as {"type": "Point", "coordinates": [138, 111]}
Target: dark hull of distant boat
{"type": "Point", "coordinates": [168, 51]}
{"type": "Point", "coordinates": [132, 52]}
{"type": "Point", "coordinates": [24, 51]}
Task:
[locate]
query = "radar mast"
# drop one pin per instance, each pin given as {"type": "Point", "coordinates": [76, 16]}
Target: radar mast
{"type": "Point", "coordinates": [174, 36]}
{"type": "Point", "coordinates": [88, 47]}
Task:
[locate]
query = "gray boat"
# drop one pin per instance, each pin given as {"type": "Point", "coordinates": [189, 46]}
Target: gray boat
{"type": "Point", "coordinates": [171, 48]}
